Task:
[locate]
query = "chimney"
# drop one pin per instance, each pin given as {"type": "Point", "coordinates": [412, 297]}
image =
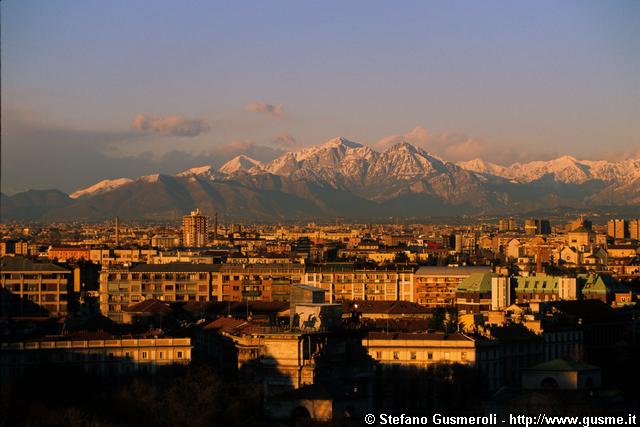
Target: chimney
{"type": "Point", "coordinates": [215, 228]}
{"type": "Point", "coordinates": [539, 261]}
{"type": "Point", "coordinates": [117, 231]}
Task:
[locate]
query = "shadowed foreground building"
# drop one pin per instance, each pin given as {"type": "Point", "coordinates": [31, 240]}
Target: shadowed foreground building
{"type": "Point", "coordinates": [318, 369]}
{"type": "Point", "coordinates": [424, 349]}
{"type": "Point", "coordinates": [95, 353]}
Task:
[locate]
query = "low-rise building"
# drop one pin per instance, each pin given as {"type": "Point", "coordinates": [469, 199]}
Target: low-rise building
{"type": "Point", "coordinates": [96, 353]}
{"type": "Point", "coordinates": [422, 349]}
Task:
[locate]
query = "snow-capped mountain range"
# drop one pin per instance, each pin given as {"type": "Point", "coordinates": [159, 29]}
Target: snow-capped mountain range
{"type": "Point", "coordinates": [565, 169]}
{"type": "Point", "coordinates": [342, 177]}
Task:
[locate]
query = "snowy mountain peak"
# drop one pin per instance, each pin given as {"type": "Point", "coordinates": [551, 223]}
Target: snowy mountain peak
{"type": "Point", "coordinates": [154, 177]}
{"type": "Point", "coordinates": [404, 146]}
{"type": "Point", "coordinates": [566, 159]}
{"type": "Point", "coordinates": [199, 170]}
{"type": "Point", "coordinates": [481, 166]}
{"type": "Point", "coordinates": [403, 168]}
{"type": "Point", "coordinates": [240, 163]}
{"type": "Point", "coordinates": [100, 187]}
{"type": "Point", "coordinates": [340, 141]}
{"type": "Point", "coordinates": [405, 161]}
{"type": "Point", "coordinates": [564, 169]}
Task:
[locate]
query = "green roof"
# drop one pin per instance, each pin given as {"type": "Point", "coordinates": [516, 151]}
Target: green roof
{"type": "Point", "coordinates": [477, 282]}
{"type": "Point", "coordinates": [538, 284]}
{"type": "Point", "coordinates": [600, 284]}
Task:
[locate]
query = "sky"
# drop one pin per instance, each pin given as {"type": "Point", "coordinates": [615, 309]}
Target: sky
{"type": "Point", "coordinates": [102, 89]}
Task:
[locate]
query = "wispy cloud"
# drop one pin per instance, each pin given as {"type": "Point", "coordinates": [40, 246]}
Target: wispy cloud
{"type": "Point", "coordinates": [285, 141]}
{"type": "Point", "coordinates": [616, 155]}
{"type": "Point", "coordinates": [450, 145]}
{"type": "Point", "coordinates": [261, 107]}
{"type": "Point", "coordinates": [29, 139]}
{"type": "Point", "coordinates": [169, 125]}
{"type": "Point", "coordinates": [456, 146]}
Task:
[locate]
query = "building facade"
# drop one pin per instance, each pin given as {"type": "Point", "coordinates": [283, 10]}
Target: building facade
{"type": "Point", "coordinates": [195, 229]}
{"type": "Point", "coordinates": [123, 286]}
{"type": "Point", "coordinates": [33, 288]}
{"type": "Point", "coordinates": [108, 356]}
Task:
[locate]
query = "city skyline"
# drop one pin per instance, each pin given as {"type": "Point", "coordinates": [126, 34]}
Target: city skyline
{"type": "Point", "coordinates": [107, 90]}
{"type": "Point", "coordinates": [349, 213]}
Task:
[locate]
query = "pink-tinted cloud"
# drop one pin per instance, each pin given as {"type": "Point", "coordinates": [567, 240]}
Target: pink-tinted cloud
{"type": "Point", "coordinates": [169, 125]}
{"type": "Point", "coordinates": [264, 108]}
{"type": "Point", "coordinates": [456, 146]}
{"type": "Point", "coordinates": [285, 141]}
{"type": "Point", "coordinates": [449, 145]}
{"type": "Point", "coordinates": [616, 155]}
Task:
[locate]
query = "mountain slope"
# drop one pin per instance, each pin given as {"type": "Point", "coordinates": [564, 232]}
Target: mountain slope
{"type": "Point", "coordinates": [347, 179]}
{"type": "Point", "coordinates": [32, 204]}
{"type": "Point", "coordinates": [100, 187]}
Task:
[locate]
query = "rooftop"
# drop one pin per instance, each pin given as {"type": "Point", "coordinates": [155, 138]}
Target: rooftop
{"type": "Point", "coordinates": [175, 267]}
{"type": "Point", "coordinates": [422, 336]}
{"type": "Point", "coordinates": [563, 365]}
{"type": "Point", "coordinates": [9, 264]}
{"type": "Point", "coordinates": [452, 271]}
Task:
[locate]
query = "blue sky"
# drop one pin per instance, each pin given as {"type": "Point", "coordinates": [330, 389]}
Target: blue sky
{"type": "Point", "coordinates": [506, 81]}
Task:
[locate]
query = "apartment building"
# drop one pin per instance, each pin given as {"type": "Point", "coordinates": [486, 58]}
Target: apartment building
{"type": "Point", "coordinates": [348, 282]}
{"type": "Point", "coordinates": [68, 253]}
{"type": "Point", "coordinates": [32, 288]}
{"type": "Point", "coordinates": [195, 229]}
{"type": "Point", "coordinates": [256, 282]}
{"type": "Point", "coordinates": [122, 286]}
{"type": "Point", "coordinates": [436, 286]}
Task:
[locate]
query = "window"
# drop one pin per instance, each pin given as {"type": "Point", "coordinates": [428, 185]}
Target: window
{"type": "Point", "coordinates": [160, 355]}
{"type": "Point", "coordinates": [179, 355]}
{"type": "Point", "coordinates": [430, 356]}
{"type": "Point", "coordinates": [463, 356]}
{"type": "Point", "coordinates": [378, 355]}
{"type": "Point", "coordinates": [395, 355]}
{"type": "Point", "coordinates": [413, 355]}
{"type": "Point", "coordinates": [144, 354]}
